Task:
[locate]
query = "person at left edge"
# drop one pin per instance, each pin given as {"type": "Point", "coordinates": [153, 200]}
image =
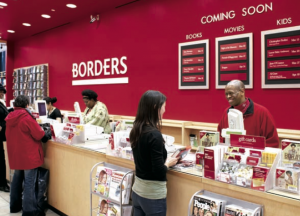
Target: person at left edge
{"type": "Point", "coordinates": [25, 153]}
{"type": "Point", "coordinates": [3, 113]}
{"type": "Point", "coordinates": [96, 112]}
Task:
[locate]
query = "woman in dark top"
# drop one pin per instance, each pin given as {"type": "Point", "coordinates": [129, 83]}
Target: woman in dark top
{"type": "Point", "coordinates": [3, 113]}
{"type": "Point", "coordinates": [150, 157]}
{"type": "Point", "coordinates": [53, 112]}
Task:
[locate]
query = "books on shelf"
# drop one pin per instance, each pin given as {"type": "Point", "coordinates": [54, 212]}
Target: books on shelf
{"type": "Point", "coordinates": [103, 176]}
{"type": "Point", "coordinates": [116, 186]}
{"type": "Point", "coordinates": [205, 205]}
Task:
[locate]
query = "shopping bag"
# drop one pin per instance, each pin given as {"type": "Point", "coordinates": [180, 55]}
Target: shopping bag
{"type": "Point", "coordinates": [41, 189]}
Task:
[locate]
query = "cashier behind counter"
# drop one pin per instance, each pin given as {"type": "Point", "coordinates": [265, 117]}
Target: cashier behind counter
{"type": "Point", "coordinates": [96, 112]}
{"type": "Point", "coordinates": [257, 119]}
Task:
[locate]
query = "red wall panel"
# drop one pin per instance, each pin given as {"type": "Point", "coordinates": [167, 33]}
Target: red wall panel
{"type": "Point", "coordinates": [148, 33]}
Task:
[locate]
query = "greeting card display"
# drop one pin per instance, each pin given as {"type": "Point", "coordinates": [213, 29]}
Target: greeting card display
{"type": "Point", "coordinates": [281, 58]}
{"type": "Point", "coordinates": [234, 60]}
{"type": "Point", "coordinates": [193, 65]}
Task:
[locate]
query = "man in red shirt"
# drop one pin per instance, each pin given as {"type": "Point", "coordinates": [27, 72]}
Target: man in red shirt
{"type": "Point", "coordinates": [257, 119]}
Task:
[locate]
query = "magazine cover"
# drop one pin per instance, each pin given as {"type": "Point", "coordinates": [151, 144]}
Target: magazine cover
{"type": "Point", "coordinates": [114, 210]}
{"type": "Point", "coordinates": [207, 206]}
{"type": "Point", "coordinates": [207, 139]}
{"type": "Point", "coordinates": [291, 153]}
{"type": "Point", "coordinates": [287, 179]}
{"type": "Point", "coordinates": [234, 210]}
{"type": "Point", "coordinates": [103, 207]}
{"type": "Point", "coordinates": [116, 187]}
{"type": "Point", "coordinates": [103, 176]}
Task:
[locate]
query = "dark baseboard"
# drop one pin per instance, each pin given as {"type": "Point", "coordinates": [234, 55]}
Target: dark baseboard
{"type": "Point", "coordinates": [56, 211]}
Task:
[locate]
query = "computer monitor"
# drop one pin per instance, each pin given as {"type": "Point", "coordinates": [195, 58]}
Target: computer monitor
{"type": "Point", "coordinates": [77, 108]}
{"type": "Point", "coordinates": [41, 108]}
{"type": "Point", "coordinates": [12, 103]}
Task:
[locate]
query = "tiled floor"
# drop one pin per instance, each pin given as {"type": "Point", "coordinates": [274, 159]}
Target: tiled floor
{"type": "Point", "coordinates": [4, 206]}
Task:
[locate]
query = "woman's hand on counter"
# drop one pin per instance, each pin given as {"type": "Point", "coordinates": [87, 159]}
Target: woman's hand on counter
{"type": "Point", "coordinates": [171, 161]}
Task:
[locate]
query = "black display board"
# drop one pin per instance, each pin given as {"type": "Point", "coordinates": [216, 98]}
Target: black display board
{"type": "Point", "coordinates": [234, 60]}
{"type": "Point", "coordinates": [281, 58]}
{"type": "Point", "coordinates": [193, 65]}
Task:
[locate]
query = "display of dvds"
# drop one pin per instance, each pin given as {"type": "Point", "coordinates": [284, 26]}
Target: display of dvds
{"type": "Point", "coordinates": [31, 82]}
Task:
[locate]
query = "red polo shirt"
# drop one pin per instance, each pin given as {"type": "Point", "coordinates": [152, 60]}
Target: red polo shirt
{"type": "Point", "coordinates": [257, 121]}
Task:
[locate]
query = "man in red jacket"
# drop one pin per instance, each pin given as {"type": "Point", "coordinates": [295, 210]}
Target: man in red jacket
{"type": "Point", "coordinates": [257, 119]}
{"type": "Point", "coordinates": [25, 153]}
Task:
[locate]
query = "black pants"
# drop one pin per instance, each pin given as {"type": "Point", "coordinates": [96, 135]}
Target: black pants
{"type": "Point", "coordinates": [2, 166]}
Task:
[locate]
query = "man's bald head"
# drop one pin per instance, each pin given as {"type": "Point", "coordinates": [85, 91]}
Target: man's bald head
{"type": "Point", "coordinates": [236, 83]}
{"type": "Point", "coordinates": [235, 92]}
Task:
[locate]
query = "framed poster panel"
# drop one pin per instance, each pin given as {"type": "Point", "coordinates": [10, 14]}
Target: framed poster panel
{"type": "Point", "coordinates": [280, 59]}
{"type": "Point", "coordinates": [193, 65]}
{"type": "Point", "coordinates": [234, 60]}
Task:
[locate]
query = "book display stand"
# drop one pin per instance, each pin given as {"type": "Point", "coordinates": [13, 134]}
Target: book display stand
{"type": "Point", "coordinates": [32, 81]}
{"type": "Point", "coordinates": [257, 209]}
{"type": "Point", "coordinates": [93, 180]}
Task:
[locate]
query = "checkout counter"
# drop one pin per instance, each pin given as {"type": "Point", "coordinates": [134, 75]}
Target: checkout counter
{"type": "Point", "coordinates": [69, 182]}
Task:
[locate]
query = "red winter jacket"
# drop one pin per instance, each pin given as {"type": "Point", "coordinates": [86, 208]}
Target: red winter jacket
{"type": "Point", "coordinates": [23, 138]}
{"type": "Point", "coordinates": [257, 121]}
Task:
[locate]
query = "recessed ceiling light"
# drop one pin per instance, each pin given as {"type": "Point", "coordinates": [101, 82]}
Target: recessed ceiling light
{"type": "Point", "coordinates": [11, 31]}
{"type": "Point", "coordinates": [71, 6]}
{"type": "Point", "coordinates": [1, 7]}
{"type": "Point", "coordinates": [26, 24]}
{"type": "Point", "coordinates": [3, 4]}
{"type": "Point", "coordinates": [46, 16]}
{"type": "Point", "coordinates": [52, 10]}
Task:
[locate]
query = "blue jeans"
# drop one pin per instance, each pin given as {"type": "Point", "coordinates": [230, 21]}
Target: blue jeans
{"type": "Point", "coordinates": [29, 200]}
{"type": "Point", "coordinates": [148, 207]}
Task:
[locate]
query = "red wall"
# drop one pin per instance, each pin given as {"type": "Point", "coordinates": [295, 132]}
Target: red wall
{"type": "Point", "coordinates": [148, 33]}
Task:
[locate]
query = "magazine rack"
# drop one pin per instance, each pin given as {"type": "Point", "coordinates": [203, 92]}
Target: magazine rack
{"type": "Point", "coordinates": [112, 166]}
{"type": "Point", "coordinates": [258, 209]}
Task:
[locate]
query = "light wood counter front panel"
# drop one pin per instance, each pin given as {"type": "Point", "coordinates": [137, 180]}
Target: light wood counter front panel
{"type": "Point", "coordinates": [69, 183]}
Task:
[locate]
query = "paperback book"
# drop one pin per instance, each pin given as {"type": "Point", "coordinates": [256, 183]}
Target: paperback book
{"type": "Point", "coordinates": [103, 180]}
{"type": "Point", "coordinates": [117, 186]}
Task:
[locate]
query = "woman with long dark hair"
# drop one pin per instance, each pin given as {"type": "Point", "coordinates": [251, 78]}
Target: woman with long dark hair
{"type": "Point", "coordinates": [53, 112]}
{"type": "Point", "coordinates": [150, 156]}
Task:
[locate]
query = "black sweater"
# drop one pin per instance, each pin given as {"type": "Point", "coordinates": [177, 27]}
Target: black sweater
{"type": "Point", "coordinates": [55, 114]}
{"type": "Point", "coordinates": [149, 157]}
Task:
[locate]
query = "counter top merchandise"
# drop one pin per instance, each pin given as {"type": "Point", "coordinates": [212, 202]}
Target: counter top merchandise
{"type": "Point", "coordinates": [76, 159]}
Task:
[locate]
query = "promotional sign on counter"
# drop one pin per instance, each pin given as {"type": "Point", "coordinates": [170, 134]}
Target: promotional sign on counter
{"type": "Point", "coordinates": [281, 58]}
{"type": "Point", "coordinates": [234, 60]}
{"type": "Point", "coordinates": [246, 141]}
{"type": "Point", "coordinates": [193, 65]}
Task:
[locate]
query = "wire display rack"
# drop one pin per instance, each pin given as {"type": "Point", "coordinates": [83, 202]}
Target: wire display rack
{"type": "Point", "coordinates": [118, 168]}
{"type": "Point", "coordinates": [258, 209]}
